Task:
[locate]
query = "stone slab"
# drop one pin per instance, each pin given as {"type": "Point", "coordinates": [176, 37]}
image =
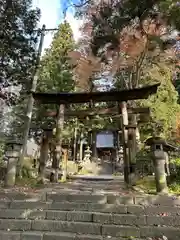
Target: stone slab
{"type": "Point", "coordinates": [9, 235]}
{"type": "Point", "coordinates": [32, 236]}
{"type": "Point", "coordinates": [64, 226]}
{"type": "Point", "coordinates": [88, 237]}
{"type": "Point", "coordinates": [120, 231]}
{"type": "Point", "coordinates": [80, 198]}
{"type": "Point", "coordinates": [119, 219]}
{"type": "Point", "coordinates": [159, 210]}
{"type": "Point", "coordinates": [112, 199]}
{"type": "Point", "coordinates": [136, 210]}
{"type": "Point", "coordinates": [170, 232]}
{"type": "Point", "coordinates": [93, 207]}
{"type": "Point", "coordinates": [18, 204]}
{"type": "Point", "coordinates": [160, 220]}
{"type": "Point", "coordinates": [59, 236]}
{"type": "Point", "coordinates": [22, 196]}
{"type": "Point", "coordinates": [22, 214]}
{"type": "Point", "coordinates": [4, 204]}
{"type": "Point", "coordinates": [79, 216]}
{"type": "Point", "coordinates": [158, 200]}
{"type": "Point", "coordinates": [56, 215]}
{"type": "Point", "coordinates": [15, 225]}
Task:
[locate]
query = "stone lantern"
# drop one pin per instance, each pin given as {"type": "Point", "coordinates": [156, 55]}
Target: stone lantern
{"type": "Point", "coordinates": [159, 148]}
{"type": "Point", "coordinates": [13, 149]}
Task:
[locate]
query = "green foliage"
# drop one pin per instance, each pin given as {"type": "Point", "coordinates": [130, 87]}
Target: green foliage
{"type": "Point", "coordinates": [19, 36]}
{"type": "Point", "coordinates": [55, 73]}
{"type": "Point", "coordinates": [18, 39]}
{"type": "Point", "coordinates": [176, 162]}
{"type": "Point", "coordinates": [174, 188]}
{"type": "Point", "coordinates": [175, 172]}
{"type": "Point", "coordinates": [16, 119]}
{"type": "Point", "coordinates": [28, 182]}
{"type": "Point", "coordinates": [147, 184]}
{"type": "Point", "coordinates": [163, 105]}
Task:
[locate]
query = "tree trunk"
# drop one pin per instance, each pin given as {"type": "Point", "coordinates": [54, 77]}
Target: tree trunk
{"type": "Point", "coordinates": [43, 158]}
{"type": "Point", "coordinates": [132, 148]}
{"type": "Point", "coordinates": [123, 107]}
{"type": "Point", "coordinates": [59, 128]}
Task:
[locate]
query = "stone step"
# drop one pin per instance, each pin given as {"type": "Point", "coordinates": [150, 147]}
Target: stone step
{"type": "Point", "coordinates": [70, 206]}
{"type": "Point", "coordinates": [10, 196]}
{"type": "Point", "coordinates": [54, 236]}
{"type": "Point", "coordinates": [93, 207]}
{"type": "Point", "coordinates": [86, 228]}
{"type": "Point", "coordinates": [91, 217]}
{"type": "Point", "coordinates": [64, 196]}
{"type": "Point", "coordinates": [80, 216]}
{"type": "Point", "coordinates": [88, 197]}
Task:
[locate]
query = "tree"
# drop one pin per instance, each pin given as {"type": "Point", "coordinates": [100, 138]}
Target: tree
{"type": "Point", "coordinates": [17, 50]}
{"type": "Point", "coordinates": [109, 18]}
{"type": "Point", "coordinates": [55, 73]}
{"type": "Point", "coordinates": [164, 105]}
{"type": "Point", "coordinates": [120, 33]}
{"type": "Point", "coordinates": [18, 40]}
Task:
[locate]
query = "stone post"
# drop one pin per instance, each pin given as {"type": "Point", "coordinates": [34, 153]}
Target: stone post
{"type": "Point", "coordinates": [12, 153]}
{"type": "Point", "coordinates": [64, 164]}
{"type": "Point", "coordinates": [124, 119]}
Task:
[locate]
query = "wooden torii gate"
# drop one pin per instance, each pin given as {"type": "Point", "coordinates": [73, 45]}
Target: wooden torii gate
{"type": "Point", "coordinates": [121, 97]}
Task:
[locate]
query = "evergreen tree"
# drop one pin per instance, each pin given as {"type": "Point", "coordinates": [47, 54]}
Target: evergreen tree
{"type": "Point", "coordinates": [18, 40]}
{"type": "Point", "coordinates": [163, 105]}
{"type": "Point", "coordinates": [19, 35]}
{"type": "Point", "coordinates": [55, 73]}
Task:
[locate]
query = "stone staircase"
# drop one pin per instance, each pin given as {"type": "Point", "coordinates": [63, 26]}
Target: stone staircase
{"type": "Point", "coordinates": [87, 210]}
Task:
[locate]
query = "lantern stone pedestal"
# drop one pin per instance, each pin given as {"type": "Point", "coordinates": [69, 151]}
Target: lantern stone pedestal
{"type": "Point", "coordinates": [160, 174]}
{"type": "Point", "coordinates": [12, 153]}
{"type": "Point", "coordinates": [159, 157]}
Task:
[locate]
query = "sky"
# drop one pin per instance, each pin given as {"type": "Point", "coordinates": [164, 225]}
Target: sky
{"type": "Point", "coordinates": [52, 16]}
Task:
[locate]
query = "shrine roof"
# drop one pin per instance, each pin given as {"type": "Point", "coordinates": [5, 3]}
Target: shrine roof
{"type": "Point", "coordinates": [83, 97]}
